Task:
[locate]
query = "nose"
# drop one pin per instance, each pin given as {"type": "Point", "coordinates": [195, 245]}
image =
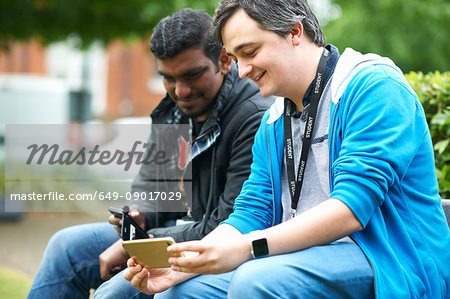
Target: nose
{"type": "Point", "coordinates": [182, 89]}
{"type": "Point", "coordinates": [244, 69]}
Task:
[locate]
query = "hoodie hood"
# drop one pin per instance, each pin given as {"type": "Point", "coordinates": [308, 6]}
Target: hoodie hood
{"type": "Point", "coordinates": [348, 65]}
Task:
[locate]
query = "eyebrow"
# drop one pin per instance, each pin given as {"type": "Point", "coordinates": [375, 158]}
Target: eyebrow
{"type": "Point", "coordinates": [189, 72]}
{"type": "Point", "coordinates": [240, 47]}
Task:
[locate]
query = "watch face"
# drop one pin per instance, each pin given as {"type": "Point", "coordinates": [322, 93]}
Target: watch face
{"type": "Point", "coordinates": [260, 248]}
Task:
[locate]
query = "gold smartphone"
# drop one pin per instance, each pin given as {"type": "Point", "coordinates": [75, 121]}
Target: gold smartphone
{"type": "Point", "coordinates": [151, 253]}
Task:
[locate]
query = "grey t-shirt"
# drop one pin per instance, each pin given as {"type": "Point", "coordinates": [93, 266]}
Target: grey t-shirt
{"type": "Point", "coordinates": [316, 183]}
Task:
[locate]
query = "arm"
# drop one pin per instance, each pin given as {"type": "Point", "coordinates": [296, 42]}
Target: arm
{"type": "Point", "coordinates": [322, 224]}
{"type": "Point", "coordinates": [151, 281]}
{"type": "Point", "coordinates": [383, 127]}
{"type": "Point", "coordinates": [238, 138]}
{"type": "Point", "coordinates": [253, 208]}
{"type": "Point", "coordinates": [159, 177]}
{"type": "Point", "coordinates": [226, 248]}
{"type": "Point", "coordinates": [114, 258]}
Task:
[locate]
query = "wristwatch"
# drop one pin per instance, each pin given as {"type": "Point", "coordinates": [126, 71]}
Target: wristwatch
{"type": "Point", "coordinates": [259, 247]}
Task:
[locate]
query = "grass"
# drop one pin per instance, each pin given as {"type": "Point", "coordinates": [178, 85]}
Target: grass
{"type": "Point", "coordinates": [14, 284]}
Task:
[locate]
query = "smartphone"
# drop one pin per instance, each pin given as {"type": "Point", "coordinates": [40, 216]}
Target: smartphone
{"type": "Point", "coordinates": [130, 229]}
{"type": "Point", "coordinates": [117, 212]}
{"type": "Point", "coordinates": [151, 253]}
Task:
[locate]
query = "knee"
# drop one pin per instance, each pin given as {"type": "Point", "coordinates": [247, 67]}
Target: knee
{"type": "Point", "coordinates": [247, 281]}
{"type": "Point", "coordinates": [60, 240]}
{"type": "Point", "coordinates": [183, 290]}
{"type": "Point", "coordinates": [203, 286]}
{"type": "Point", "coordinates": [118, 287]}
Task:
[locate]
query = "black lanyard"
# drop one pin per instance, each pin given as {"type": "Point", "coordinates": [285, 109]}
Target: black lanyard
{"type": "Point", "coordinates": [295, 185]}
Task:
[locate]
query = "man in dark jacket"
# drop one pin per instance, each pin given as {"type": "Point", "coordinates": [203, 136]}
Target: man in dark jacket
{"type": "Point", "coordinates": [203, 90]}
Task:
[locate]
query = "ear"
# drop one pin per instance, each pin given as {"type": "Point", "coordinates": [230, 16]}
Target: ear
{"type": "Point", "coordinates": [296, 34]}
{"type": "Point", "coordinates": [224, 62]}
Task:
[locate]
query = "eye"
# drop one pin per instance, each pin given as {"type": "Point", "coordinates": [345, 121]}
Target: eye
{"type": "Point", "coordinates": [250, 53]}
{"type": "Point", "coordinates": [193, 75]}
{"type": "Point", "coordinates": [232, 57]}
{"type": "Point", "coordinates": [168, 79]}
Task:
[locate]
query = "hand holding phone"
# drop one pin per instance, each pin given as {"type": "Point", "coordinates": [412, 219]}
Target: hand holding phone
{"type": "Point", "coordinates": [116, 219]}
{"type": "Point", "coordinates": [127, 227]}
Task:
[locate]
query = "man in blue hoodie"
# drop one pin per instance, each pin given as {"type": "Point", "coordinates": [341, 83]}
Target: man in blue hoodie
{"type": "Point", "coordinates": [342, 200]}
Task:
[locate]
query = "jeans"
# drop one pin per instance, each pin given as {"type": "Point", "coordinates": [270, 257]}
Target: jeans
{"type": "Point", "coordinates": [338, 270]}
{"type": "Point", "coordinates": [70, 266]}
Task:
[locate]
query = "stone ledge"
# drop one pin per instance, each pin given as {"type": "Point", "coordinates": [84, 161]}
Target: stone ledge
{"type": "Point", "coordinates": [446, 206]}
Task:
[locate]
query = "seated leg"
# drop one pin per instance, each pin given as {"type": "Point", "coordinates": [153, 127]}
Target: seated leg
{"type": "Point", "coordinates": [338, 270]}
{"type": "Point", "coordinates": [203, 286]}
{"type": "Point", "coordinates": [119, 287]}
{"type": "Point", "coordinates": [70, 266]}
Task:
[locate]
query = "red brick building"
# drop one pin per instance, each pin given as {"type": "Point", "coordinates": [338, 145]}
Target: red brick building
{"type": "Point", "coordinates": [129, 71]}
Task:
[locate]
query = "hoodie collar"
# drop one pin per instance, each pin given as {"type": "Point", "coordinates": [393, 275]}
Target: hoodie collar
{"type": "Point", "coordinates": [348, 65]}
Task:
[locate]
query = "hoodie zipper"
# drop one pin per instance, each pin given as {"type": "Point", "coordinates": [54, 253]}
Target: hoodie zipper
{"type": "Point", "coordinates": [371, 267]}
{"type": "Point", "coordinates": [332, 175]}
{"type": "Point", "coordinates": [330, 172]}
{"type": "Point", "coordinates": [271, 176]}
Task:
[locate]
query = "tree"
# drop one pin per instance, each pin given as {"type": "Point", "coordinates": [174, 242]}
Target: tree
{"type": "Point", "coordinates": [414, 33]}
{"type": "Point", "coordinates": [104, 20]}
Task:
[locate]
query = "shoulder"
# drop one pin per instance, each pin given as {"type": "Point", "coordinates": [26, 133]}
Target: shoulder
{"type": "Point", "coordinates": [163, 110]}
{"type": "Point", "coordinates": [254, 103]}
{"type": "Point", "coordinates": [381, 81]}
{"type": "Point", "coordinates": [245, 101]}
{"type": "Point", "coordinates": [355, 71]}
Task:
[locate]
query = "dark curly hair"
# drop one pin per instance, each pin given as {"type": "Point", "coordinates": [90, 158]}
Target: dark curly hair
{"type": "Point", "coordinates": [185, 29]}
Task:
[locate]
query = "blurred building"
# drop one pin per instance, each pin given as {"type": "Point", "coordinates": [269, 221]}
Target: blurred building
{"type": "Point", "coordinates": [133, 85]}
{"type": "Point", "coordinates": [121, 79]}
{"type": "Point", "coordinates": [23, 58]}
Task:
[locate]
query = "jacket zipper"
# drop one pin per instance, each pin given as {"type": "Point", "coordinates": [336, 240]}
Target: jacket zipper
{"type": "Point", "coordinates": [271, 176]}
{"type": "Point", "coordinates": [329, 171]}
{"type": "Point", "coordinates": [371, 267]}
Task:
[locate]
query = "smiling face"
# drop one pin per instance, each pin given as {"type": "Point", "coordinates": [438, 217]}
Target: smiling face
{"type": "Point", "coordinates": [262, 55]}
{"type": "Point", "coordinates": [192, 81]}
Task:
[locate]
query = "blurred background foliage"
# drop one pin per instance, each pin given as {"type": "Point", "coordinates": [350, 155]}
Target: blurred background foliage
{"type": "Point", "coordinates": [433, 90]}
{"type": "Point", "coordinates": [99, 20]}
{"type": "Point", "coordinates": [413, 33]}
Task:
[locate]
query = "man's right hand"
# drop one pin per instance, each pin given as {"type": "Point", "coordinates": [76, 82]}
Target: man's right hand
{"type": "Point", "coordinates": [150, 281]}
{"type": "Point", "coordinates": [112, 260]}
{"type": "Point", "coordinates": [135, 213]}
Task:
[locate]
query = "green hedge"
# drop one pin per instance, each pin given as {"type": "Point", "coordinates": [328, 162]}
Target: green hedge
{"type": "Point", "coordinates": [433, 90]}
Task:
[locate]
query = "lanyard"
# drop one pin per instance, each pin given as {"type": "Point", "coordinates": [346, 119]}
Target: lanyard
{"type": "Point", "coordinates": [295, 185]}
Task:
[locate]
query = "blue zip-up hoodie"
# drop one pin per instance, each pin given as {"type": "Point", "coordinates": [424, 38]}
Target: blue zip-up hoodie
{"type": "Point", "coordinates": [381, 166]}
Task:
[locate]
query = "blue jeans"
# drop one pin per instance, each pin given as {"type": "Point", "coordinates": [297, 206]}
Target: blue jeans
{"type": "Point", "coordinates": [338, 270]}
{"type": "Point", "coordinates": [70, 266]}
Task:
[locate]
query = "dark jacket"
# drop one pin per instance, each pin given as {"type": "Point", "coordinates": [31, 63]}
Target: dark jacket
{"type": "Point", "coordinates": [221, 157]}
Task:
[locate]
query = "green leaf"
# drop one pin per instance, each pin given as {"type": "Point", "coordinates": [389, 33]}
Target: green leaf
{"type": "Point", "coordinates": [440, 119]}
{"type": "Point", "coordinates": [441, 146]}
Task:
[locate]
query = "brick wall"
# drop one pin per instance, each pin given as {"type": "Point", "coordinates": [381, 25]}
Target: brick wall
{"type": "Point", "coordinates": [129, 70]}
